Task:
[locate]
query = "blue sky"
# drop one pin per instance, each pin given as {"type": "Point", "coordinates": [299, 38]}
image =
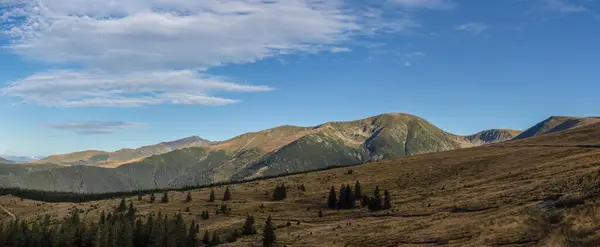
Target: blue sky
{"type": "Point", "coordinates": [78, 75]}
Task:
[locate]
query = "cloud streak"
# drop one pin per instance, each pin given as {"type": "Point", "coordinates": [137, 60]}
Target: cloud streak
{"type": "Point", "coordinates": [472, 27]}
{"type": "Point", "coordinates": [426, 4]}
{"type": "Point", "coordinates": [563, 6]}
{"type": "Point", "coordinates": [66, 88]}
{"type": "Point", "coordinates": [93, 127]}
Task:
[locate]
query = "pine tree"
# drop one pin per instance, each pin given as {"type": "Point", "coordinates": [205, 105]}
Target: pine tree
{"type": "Point", "coordinates": [279, 193]}
{"type": "Point", "coordinates": [212, 196]}
{"type": "Point", "coordinates": [358, 190]}
{"type": "Point", "coordinates": [131, 212]}
{"type": "Point", "coordinates": [332, 200]}
{"type": "Point", "coordinates": [320, 213]}
{"type": "Point", "coordinates": [206, 239]}
{"type": "Point", "coordinates": [152, 198]}
{"type": "Point", "coordinates": [215, 240]}
{"type": "Point", "coordinates": [350, 198]}
{"type": "Point", "coordinates": [249, 226]}
{"type": "Point", "coordinates": [227, 194]}
{"type": "Point", "coordinates": [375, 202]}
{"type": "Point", "coordinates": [139, 197]}
{"type": "Point", "coordinates": [165, 197]}
{"type": "Point", "coordinates": [269, 238]}
{"type": "Point", "coordinates": [386, 200]}
{"type": "Point", "coordinates": [192, 239]}
{"type": "Point", "coordinates": [102, 218]}
{"type": "Point", "coordinates": [122, 206]}
{"type": "Point", "coordinates": [188, 198]}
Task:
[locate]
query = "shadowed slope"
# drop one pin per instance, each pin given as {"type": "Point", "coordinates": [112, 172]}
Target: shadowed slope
{"type": "Point", "coordinates": [556, 124]}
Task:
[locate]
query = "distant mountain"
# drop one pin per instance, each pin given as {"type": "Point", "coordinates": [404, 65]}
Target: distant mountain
{"type": "Point", "coordinates": [276, 151]}
{"type": "Point", "coordinates": [492, 136]}
{"type": "Point", "coordinates": [5, 161]}
{"type": "Point", "coordinates": [109, 159]}
{"type": "Point", "coordinates": [21, 159]}
{"type": "Point", "coordinates": [555, 124]}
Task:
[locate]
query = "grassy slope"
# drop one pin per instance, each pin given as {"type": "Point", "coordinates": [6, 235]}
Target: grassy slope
{"type": "Point", "coordinates": [485, 196]}
{"type": "Point", "coordinates": [556, 124]}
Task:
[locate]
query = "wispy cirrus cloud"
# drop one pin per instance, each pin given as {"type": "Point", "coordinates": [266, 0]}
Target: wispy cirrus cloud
{"type": "Point", "coordinates": [473, 28]}
{"type": "Point", "coordinates": [563, 6]}
{"type": "Point", "coordinates": [66, 88]}
{"type": "Point", "coordinates": [427, 4]}
{"type": "Point", "coordinates": [93, 127]}
{"type": "Point", "coordinates": [148, 52]}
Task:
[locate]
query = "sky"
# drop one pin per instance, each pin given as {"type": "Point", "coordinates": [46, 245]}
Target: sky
{"type": "Point", "coordinates": [106, 74]}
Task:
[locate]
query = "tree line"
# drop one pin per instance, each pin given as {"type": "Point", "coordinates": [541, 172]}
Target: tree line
{"type": "Point", "coordinates": [79, 197]}
{"type": "Point", "coordinates": [121, 228]}
{"type": "Point", "coordinates": [347, 198]}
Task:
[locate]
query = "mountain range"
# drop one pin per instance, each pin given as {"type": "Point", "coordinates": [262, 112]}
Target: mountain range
{"type": "Point", "coordinates": [272, 152]}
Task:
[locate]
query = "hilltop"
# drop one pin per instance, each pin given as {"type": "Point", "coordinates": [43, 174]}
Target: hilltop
{"type": "Point", "coordinates": [556, 124]}
{"type": "Point", "coordinates": [539, 191]}
{"type": "Point", "coordinates": [272, 152]}
{"type": "Point", "coordinates": [111, 159]}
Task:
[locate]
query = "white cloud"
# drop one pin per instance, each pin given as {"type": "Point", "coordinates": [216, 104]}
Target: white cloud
{"type": "Point", "coordinates": [472, 27]}
{"type": "Point", "coordinates": [337, 49]}
{"type": "Point", "coordinates": [67, 88]}
{"type": "Point", "coordinates": [563, 6]}
{"type": "Point", "coordinates": [185, 34]}
{"type": "Point", "coordinates": [428, 4]}
{"type": "Point", "coordinates": [93, 127]}
{"type": "Point", "coordinates": [147, 52]}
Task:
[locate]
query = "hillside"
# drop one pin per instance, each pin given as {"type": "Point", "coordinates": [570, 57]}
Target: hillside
{"type": "Point", "coordinates": [556, 124]}
{"type": "Point", "coordinates": [534, 192]}
{"type": "Point", "coordinates": [111, 159]}
{"type": "Point", "coordinates": [5, 161]}
{"type": "Point", "coordinates": [492, 136]}
{"type": "Point", "coordinates": [281, 150]}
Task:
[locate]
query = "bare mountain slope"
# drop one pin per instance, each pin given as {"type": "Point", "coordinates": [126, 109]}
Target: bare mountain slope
{"type": "Point", "coordinates": [555, 124]}
{"type": "Point", "coordinates": [111, 159]}
{"type": "Point", "coordinates": [281, 150]}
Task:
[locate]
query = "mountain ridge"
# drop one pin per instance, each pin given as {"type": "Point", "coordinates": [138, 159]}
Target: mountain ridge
{"type": "Point", "coordinates": [272, 152]}
{"type": "Point", "coordinates": [110, 159]}
{"type": "Point", "coordinates": [556, 124]}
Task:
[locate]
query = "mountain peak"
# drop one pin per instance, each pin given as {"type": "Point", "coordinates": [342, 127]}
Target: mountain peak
{"type": "Point", "coordinates": [556, 124]}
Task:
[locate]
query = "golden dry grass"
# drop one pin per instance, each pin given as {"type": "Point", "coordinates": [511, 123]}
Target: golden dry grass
{"type": "Point", "coordinates": [483, 196]}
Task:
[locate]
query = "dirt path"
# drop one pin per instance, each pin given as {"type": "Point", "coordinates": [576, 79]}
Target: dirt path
{"type": "Point", "coordinates": [8, 212]}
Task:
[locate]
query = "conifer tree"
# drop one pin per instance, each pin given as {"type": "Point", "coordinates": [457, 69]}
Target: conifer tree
{"type": "Point", "coordinates": [350, 198]}
{"type": "Point", "coordinates": [386, 200]}
{"type": "Point", "coordinates": [341, 203]}
{"type": "Point", "coordinates": [139, 196]}
{"type": "Point", "coordinates": [131, 212]}
{"type": "Point", "coordinates": [122, 206]}
{"type": "Point", "coordinates": [206, 238]}
{"type": "Point", "coordinates": [249, 226]}
{"type": "Point", "coordinates": [269, 238]}
{"type": "Point", "coordinates": [227, 194]}
{"type": "Point", "coordinates": [102, 218]}
{"type": "Point", "coordinates": [188, 197]}
{"type": "Point", "coordinates": [332, 200]}
{"type": "Point", "coordinates": [320, 213]}
{"type": "Point", "coordinates": [358, 190]}
{"type": "Point", "coordinates": [215, 240]}
{"type": "Point", "coordinates": [375, 202]}
{"type": "Point", "coordinates": [212, 196]}
{"type": "Point", "coordinates": [152, 198]}
{"type": "Point", "coordinates": [165, 197]}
